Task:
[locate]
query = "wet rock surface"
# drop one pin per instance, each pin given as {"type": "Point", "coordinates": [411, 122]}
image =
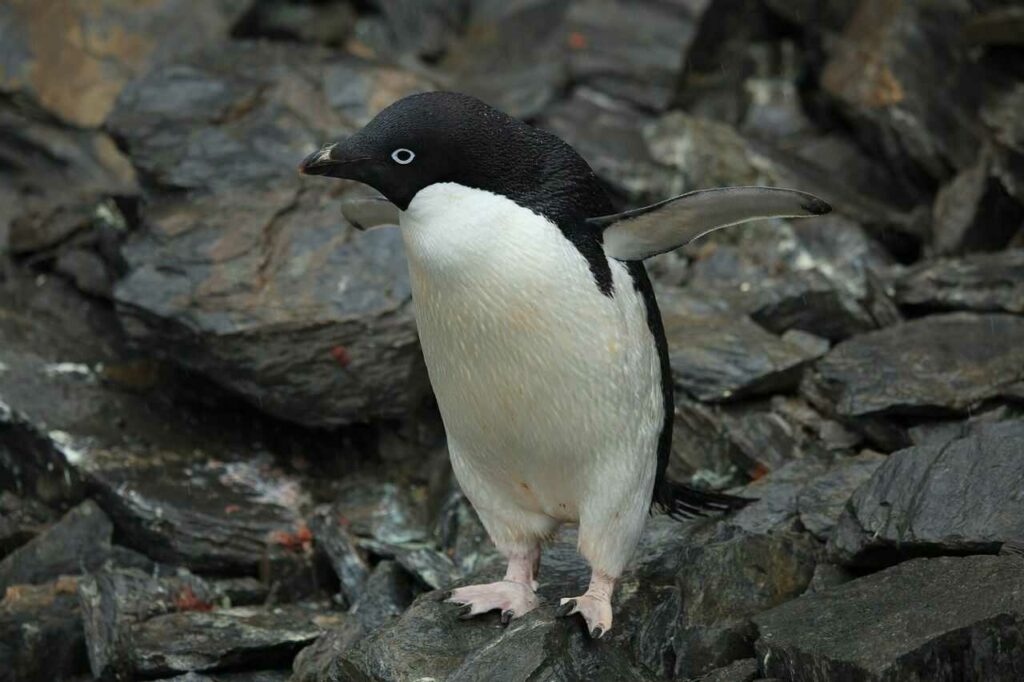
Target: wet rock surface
{"type": "Point", "coordinates": [905, 508]}
{"type": "Point", "coordinates": [219, 458]}
{"type": "Point", "coordinates": [907, 619]}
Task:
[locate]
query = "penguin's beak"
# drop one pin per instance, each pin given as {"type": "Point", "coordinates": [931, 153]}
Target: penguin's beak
{"type": "Point", "coordinates": [333, 160]}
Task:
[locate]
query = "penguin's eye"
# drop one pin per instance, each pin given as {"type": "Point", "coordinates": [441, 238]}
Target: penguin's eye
{"type": "Point", "coordinates": [402, 156]}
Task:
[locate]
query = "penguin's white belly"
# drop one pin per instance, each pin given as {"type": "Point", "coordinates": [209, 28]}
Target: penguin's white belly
{"type": "Point", "coordinates": [549, 389]}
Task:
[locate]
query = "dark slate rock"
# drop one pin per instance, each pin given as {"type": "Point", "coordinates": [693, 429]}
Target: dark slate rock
{"type": "Point", "coordinates": [704, 153]}
{"type": "Point", "coordinates": [732, 443]}
{"type": "Point", "coordinates": [55, 179]}
{"type": "Point", "coordinates": [975, 211]}
{"type": "Point", "coordinates": [936, 365]}
{"type": "Point", "coordinates": [720, 359]}
{"type": "Point", "coordinates": [744, 670]}
{"type": "Point", "coordinates": [212, 640]}
{"type": "Point", "coordinates": [410, 27]}
{"type": "Point", "coordinates": [641, 65]}
{"type": "Point", "coordinates": [21, 519]}
{"type": "Point", "coordinates": [137, 625]}
{"type": "Point", "coordinates": [326, 23]}
{"type": "Point", "coordinates": [981, 282]}
{"type": "Point", "coordinates": [494, 60]}
{"type": "Point", "coordinates": [248, 676]}
{"type": "Point", "coordinates": [41, 633]}
{"type": "Point", "coordinates": [335, 542]}
{"type": "Point", "coordinates": [389, 591]}
{"type": "Point", "coordinates": [941, 431]}
{"type": "Point", "coordinates": [536, 645]}
{"type": "Point", "coordinates": [722, 584]}
{"type": "Point", "coordinates": [776, 496]}
{"type": "Point", "coordinates": [184, 486]}
{"type": "Point", "coordinates": [823, 499]}
{"type": "Point", "coordinates": [78, 543]}
{"type": "Point", "coordinates": [907, 508]}
{"type": "Point", "coordinates": [81, 87]}
{"type": "Point", "coordinates": [609, 135]}
{"type": "Point", "coordinates": [929, 619]}
{"type": "Point", "coordinates": [248, 275]}
{"type": "Point", "coordinates": [381, 510]}
{"type": "Point", "coordinates": [882, 73]}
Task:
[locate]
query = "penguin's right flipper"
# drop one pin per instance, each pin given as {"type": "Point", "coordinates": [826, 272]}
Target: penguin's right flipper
{"type": "Point", "coordinates": [666, 225]}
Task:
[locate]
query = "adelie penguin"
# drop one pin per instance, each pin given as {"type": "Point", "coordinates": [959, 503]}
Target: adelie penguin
{"type": "Point", "coordinates": [540, 330]}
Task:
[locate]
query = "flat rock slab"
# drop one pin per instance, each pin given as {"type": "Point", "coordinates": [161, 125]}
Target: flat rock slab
{"type": "Point", "coordinates": [246, 272]}
{"type": "Point", "coordinates": [927, 619]}
{"type": "Point", "coordinates": [822, 501]}
{"type": "Point", "coordinates": [41, 633]}
{"type": "Point", "coordinates": [981, 282]}
{"type": "Point", "coordinates": [966, 495]}
{"type": "Point", "coordinates": [184, 486]}
{"type": "Point", "coordinates": [717, 359]}
{"type": "Point", "coordinates": [79, 542]}
{"type": "Point", "coordinates": [935, 365]}
{"type": "Point", "coordinates": [198, 641]}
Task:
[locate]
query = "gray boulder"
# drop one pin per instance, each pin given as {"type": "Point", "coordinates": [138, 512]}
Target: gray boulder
{"type": "Point", "coordinates": [927, 619]}
{"type": "Point", "coordinates": [956, 497]}
{"type": "Point", "coordinates": [247, 273]}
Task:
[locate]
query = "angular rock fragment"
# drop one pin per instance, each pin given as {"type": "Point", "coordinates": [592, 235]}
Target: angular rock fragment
{"type": "Point", "coordinates": [704, 153]}
{"type": "Point", "coordinates": [79, 79]}
{"type": "Point", "coordinates": [641, 65]}
{"type": "Point", "coordinates": [41, 633]}
{"type": "Point", "coordinates": [137, 625]}
{"type": "Point", "coordinates": [492, 61]}
{"type": "Point", "coordinates": [722, 584]}
{"type": "Point", "coordinates": [346, 560]}
{"type": "Point", "coordinates": [936, 365]}
{"type": "Point", "coordinates": [734, 442]}
{"type": "Point", "coordinates": [78, 543]}
{"type": "Point", "coordinates": [719, 359]}
{"type": "Point", "coordinates": [388, 592]}
{"type": "Point", "coordinates": [182, 485]}
{"type": "Point", "coordinates": [223, 639]}
{"type": "Point", "coordinates": [979, 282]}
{"type": "Point", "coordinates": [975, 211]}
{"type": "Point", "coordinates": [250, 275]}
{"type": "Point", "coordinates": [775, 496]}
{"type": "Point", "coordinates": [608, 134]}
{"type": "Point", "coordinates": [823, 499]}
{"type": "Point", "coordinates": [883, 71]}
{"type": "Point", "coordinates": [955, 497]}
{"type": "Point", "coordinates": [21, 519]}
{"type": "Point", "coordinates": [944, 618]}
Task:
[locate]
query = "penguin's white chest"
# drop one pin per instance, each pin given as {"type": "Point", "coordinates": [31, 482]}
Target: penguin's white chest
{"type": "Point", "coordinates": [543, 381]}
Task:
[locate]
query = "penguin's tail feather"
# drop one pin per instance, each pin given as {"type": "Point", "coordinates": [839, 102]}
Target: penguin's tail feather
{"type": "Point", "coordinates": [683, 502]}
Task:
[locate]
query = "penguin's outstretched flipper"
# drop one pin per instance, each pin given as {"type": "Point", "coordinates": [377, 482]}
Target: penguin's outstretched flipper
{"type": "Point", "coordinates": [644, 232]}
{"type": "Point", "coordinates": [683, 502]}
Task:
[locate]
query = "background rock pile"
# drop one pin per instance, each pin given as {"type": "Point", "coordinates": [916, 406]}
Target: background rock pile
{"type": "Point", "coordinates": [219, 459]}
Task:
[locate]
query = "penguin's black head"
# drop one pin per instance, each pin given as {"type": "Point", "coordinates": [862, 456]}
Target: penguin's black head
{"type": "Point", "coordinates": [449, 137]}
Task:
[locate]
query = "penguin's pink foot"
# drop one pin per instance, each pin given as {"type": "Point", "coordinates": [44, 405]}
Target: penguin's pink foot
{"type": "Point", "coordinates": [595, 605]}
{"type": "Point", "coordinates": [513, 599]}
{"type": "Point", "coordinates": [596, 611]}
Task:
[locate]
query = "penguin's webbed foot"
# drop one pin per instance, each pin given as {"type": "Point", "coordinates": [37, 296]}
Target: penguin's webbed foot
{"type": "Point", "coordinates": [595, 609]}
{"type": "Point", "coordinates": [514, 599]}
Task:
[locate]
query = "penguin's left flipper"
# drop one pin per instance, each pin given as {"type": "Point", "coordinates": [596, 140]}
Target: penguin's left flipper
{"type": "Point", "coordinates": [644, 232]}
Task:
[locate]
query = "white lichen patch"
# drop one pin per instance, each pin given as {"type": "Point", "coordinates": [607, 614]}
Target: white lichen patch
{"type": "Point", "coordinates": [60, 369]}
{"type": "Point", "coordinates": [66, 445]}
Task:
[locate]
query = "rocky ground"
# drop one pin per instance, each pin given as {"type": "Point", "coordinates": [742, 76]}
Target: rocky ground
{"type": "Point", "coordinates": [219, 459]}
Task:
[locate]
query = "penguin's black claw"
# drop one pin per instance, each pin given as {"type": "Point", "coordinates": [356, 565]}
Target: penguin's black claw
{"type": "Point", "coordinates": [506, 617]}
{"type": "Point", "coordinates": [440, 595]}
{"type": "Point", "coordinates": [565, 609]}
{"type": "Point", "coordinates": [597, 633]}
{"type": "Point", "coordinates": [466, 612]}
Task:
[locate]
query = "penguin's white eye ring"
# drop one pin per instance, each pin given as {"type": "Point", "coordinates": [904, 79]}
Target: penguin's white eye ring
{"type": "Point", "coordinates": [403, 156]}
